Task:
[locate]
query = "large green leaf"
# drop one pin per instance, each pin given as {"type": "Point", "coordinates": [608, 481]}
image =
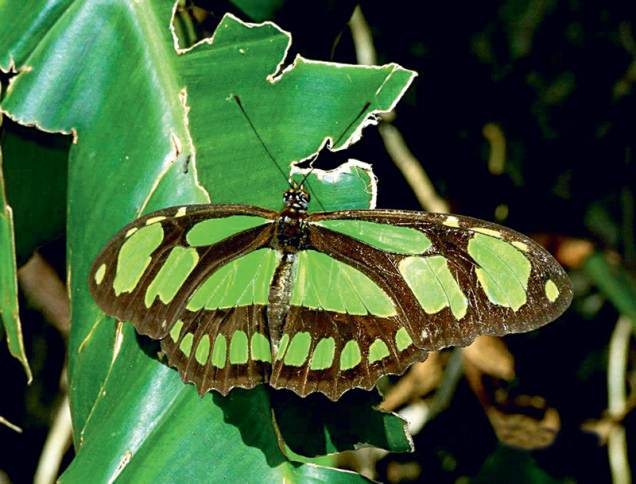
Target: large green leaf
{"type": "Point", "coordinates": [9, 311]}
{"type": "Point", "coordinates": [24, 24]}
{"type": "Point", "coordinates": [156, 127]}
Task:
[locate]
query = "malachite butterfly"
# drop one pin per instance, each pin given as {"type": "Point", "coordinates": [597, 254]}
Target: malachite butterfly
{"type": "Point", "coordinates": [319, 302]}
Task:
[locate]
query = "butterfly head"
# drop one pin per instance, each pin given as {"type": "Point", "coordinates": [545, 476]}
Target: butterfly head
{"type": "Point", "coordinates": [296, 198]}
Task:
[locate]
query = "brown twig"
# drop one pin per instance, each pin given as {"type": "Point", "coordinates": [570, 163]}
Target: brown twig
{"type": "Point", "coordinates": [46, 292]}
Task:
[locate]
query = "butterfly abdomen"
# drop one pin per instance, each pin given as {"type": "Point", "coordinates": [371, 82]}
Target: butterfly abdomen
{"type": "Point", "coordinates": [280, 296]}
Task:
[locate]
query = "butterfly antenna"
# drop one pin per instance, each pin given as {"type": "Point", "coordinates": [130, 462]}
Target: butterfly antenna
{"type": "Point", "coordinates": [271, 157]}
{"type": "Point", "coordinates": [342, 135]}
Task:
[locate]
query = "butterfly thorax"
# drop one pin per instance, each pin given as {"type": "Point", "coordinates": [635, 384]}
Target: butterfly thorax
{"type": "Point", "coordinates": [291, 231]}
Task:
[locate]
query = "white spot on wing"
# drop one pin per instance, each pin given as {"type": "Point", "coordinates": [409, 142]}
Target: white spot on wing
{"type": "Point", "coordinates": [520, 245]}
{"type": "Point", "coordinates": [152, 220]}
{"type": "Point", "coordinates": [485, 231]}
{"type": "Point", "coordinates": [451, 221]}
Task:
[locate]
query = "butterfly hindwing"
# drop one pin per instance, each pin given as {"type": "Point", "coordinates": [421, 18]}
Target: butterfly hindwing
{"type": "Point", "coordinates": [332, 352]}
{"type": "Point", "coordinates": [221, 349]}
{"type": "Point", "coordinates": [452, 278]}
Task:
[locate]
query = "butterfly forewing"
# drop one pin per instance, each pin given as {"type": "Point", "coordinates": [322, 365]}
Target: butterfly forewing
{"type": "Point", "coordinates": [149, 270]}
{"type": "Point", "coordinates": [369, 293]}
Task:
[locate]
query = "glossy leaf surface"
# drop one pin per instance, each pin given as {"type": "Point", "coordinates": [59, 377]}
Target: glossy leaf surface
{"type": "Point", "coordinates": [169, 133]}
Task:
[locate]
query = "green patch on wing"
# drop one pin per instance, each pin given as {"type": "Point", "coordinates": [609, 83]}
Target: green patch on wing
{"type": "Point", "coordinates": [402, 339]}
{"type": "Point", "coordinates": [186, 344]}
{"type": "Point", "coordinates": [211, 231]}
{"type": "Point", "coordinates": [241, 282]}
{"type": "Point", "coordinates": [378, 350]}
{"type": "Point", "coordinates": [261, 349]}
{"type": "Point", "coordinates": [434, 286]}
{"type": "Point", "coordinates": [135, 256]}
{"type": "Point", "coordinates": [551, 290]}
{"type": "Point", "coordinates": [100, 273]}
{"type": "Point", "coordinates": [203, 350]}
{"type": "Point", "coordinates": [391, 238]}
{"type": "Point", "coordinates": [238, 348]}
{"type": "Point", "coordinates": [502, 270]}
{"type": "Point", "coordinates": [175, 270]}
{"type": "Point", "coordinates": [220, 351]}
{"type": "Point", "coordinates": [350, 356]}
{"type": "Point", "coordinates": [175, 331]}
{"type": "Point", "coordinates": [298, 349]}
{"type": "Point", "coordinates": [322, 358]}
{"type": "Point", "coordinates": [324, 283]}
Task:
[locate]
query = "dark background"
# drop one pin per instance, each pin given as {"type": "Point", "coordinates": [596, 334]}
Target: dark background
{"type": "Point", "coordinates": [556, 78]}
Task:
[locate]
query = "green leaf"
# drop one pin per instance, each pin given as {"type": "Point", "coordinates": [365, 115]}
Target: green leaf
{"type": "Point", "coordinates": [156, 127]}
{"type": "Point", "coordinates": [172, 435]}
{"type": "Point", "coordinates": [614, 282]}
{"type": "Point", "coordinates": [316, 426]}
{"type": "Point", "coordinates": [9, 311]}
{"type": "Point", "coordinates": [24, 26]}
{"type": "Point", "coordinates": [350, 186]}
{"type": "Point", "coordinates": [506, 465]}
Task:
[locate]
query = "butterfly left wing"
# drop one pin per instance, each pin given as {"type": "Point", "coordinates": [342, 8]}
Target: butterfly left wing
{"type": "Point", "coordinates": [182, 275]}
{"type": "Point", "coordinates": [452, 278]}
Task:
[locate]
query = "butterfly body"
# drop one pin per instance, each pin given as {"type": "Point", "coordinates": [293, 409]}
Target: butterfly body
{"type": "Point", "coordinates": [319, 302]}
{"type": "Point", "coordinates": [290, 237]}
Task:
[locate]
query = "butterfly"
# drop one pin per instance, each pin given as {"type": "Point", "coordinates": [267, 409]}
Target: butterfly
{"type": "Point", "coordinates": [323, 301]}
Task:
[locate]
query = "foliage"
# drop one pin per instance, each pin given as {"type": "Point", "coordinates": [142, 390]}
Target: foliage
{"type": "Point", "coordinates": [521, 113]}
{"type": "Point", "coordinates": [191, 128]}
